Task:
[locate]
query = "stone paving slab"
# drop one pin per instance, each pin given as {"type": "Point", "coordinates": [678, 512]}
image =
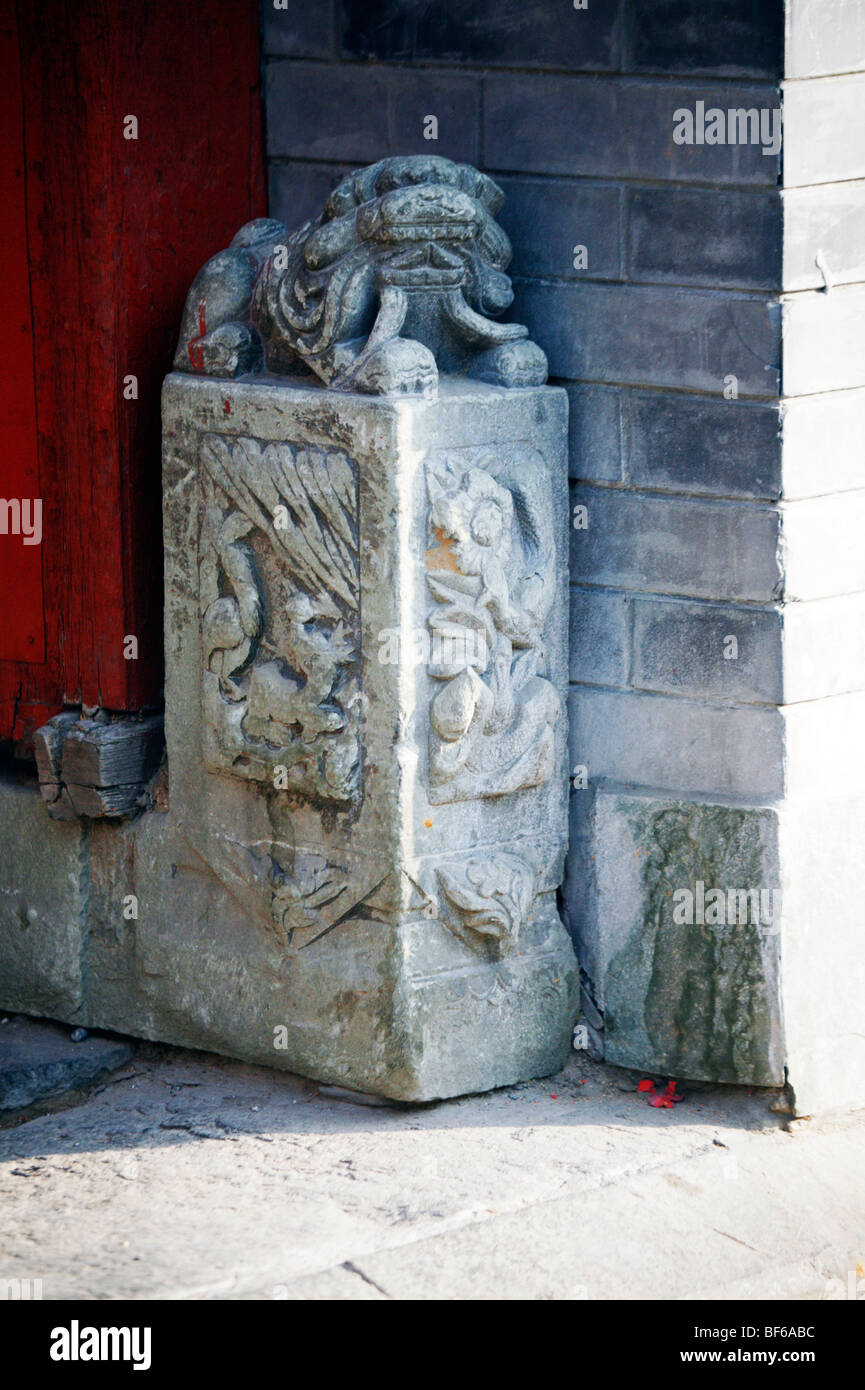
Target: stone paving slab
{"type": "Point", "coordinates": [39, 1059]}
{"type": "Point", "coordinates": [189, 1176]}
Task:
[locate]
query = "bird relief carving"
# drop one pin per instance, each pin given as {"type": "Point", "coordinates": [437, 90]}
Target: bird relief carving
{"type": "Point", "coordinates": [490, 571]}
{"type": "Point", "coordinates": [280, 616]}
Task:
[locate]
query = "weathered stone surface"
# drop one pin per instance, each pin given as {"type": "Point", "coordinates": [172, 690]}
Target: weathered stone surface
{"type": "Point", "coordinates": [516, 33]}
{"type": "Point", "coordinates": [704, 237]}
{"type": "Point", "coordinates": [674, 744]}
{"type": "Point", "coordinates": [624, 128]}
{"type": "Point", "coordinates": [356, 877]}
{"type": "Point", "coordinates": [694, 248]}
{"type": "Point", "coordinates": [595, 433]}
{"type": "Point", "coordinates": [707, 649]}
{"type": "Point", "coordinates": [366, 734]}
{"type": "Point", "coordinates": [600, 636]}
{"type": "Point", "coordinates": [549, 219]}
{"type": "Point", "coordinates": [741, 39]}
{"type": "Point", "coordinates": [691, 998]}
{"type": "Point", "coordinates": [231, 1182]}
{"type": "Point", "coordinates": [42, 908]}
{"type": "Point", "coordinates": [643, 335]}
{"type": "Point", "coordinates": [352, 113]}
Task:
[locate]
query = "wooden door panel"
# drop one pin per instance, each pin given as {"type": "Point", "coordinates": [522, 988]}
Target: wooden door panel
{"type": "Point", "coordinates": [22, 622]}
{"type": "Point", "coordinates": [115, 230]}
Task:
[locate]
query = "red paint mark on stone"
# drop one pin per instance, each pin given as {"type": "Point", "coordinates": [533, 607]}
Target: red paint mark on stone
{"type": "Point", "coordinates": [227, 406]}
{"type": "Point", "coordinates": [196, 352]}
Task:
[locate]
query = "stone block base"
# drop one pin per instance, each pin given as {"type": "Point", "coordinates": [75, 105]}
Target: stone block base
{"type": "Point", "coordinates": [684, 942]}
{"type": "Point", "coordinates": [366, 659]}
{"type": "Point", "coordinates": [364, 1009]}
{"type": "Point", "coordinates": [721, 942]}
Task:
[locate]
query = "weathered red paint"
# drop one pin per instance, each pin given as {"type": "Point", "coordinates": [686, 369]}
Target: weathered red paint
{"type": "Point", "coordinates": [196, 353]}
{"type": "Point", "coordinates": [116, 230]}
{"type": "Point", "coordinates": [22, 624]}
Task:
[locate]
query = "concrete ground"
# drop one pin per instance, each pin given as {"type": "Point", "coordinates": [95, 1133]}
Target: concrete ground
{"type": "Point", "coordinates": [188, 1176]}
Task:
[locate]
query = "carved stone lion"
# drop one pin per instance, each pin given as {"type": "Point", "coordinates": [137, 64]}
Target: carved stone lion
{"type": "Point", "coordinates": [392, 282]}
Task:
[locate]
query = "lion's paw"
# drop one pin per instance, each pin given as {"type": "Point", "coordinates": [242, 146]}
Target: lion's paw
{"type": "Point", "coordinates": [520, 363]}
{"type": "Point", "coordinates": [399, 367]}
{"type": "Point", "coordinates": [230, 350]}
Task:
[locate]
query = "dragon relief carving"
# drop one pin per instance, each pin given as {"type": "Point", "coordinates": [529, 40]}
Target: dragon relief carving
{"type": "Point", "coordinates": [395, 279]}
{"type": "Point", "coordinates": [490, 571]}
{"type": "Point", "coordinates": [280, 616]}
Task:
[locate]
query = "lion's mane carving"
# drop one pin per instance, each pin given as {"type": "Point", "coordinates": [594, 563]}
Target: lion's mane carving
{"type": "Point", "coordinates": [394, 280]}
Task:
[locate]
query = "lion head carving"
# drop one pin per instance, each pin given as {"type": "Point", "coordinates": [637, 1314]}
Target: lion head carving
{"type": "Point", "coordinates": [395, 279]}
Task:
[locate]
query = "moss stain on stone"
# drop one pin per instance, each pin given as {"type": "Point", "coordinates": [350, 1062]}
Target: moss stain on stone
{"type": "Point", "coordinates": [704, 992]}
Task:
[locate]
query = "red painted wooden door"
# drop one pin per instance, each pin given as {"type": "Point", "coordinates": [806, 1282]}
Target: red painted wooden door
{"type": "Point", "coordinates": [104, 220]}
{"type": "Point", "coordinates": [22, 625]}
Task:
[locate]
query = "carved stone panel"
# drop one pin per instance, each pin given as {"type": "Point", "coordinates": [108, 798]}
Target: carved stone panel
{"type": "Point", "coordinates": [379, 820]}
{"type": "Point", "coordinates": [491, 568]}
{"type": "Point", "coordinates": [486, 900]}
{"type": "Point", "coordinates": [280, 616]}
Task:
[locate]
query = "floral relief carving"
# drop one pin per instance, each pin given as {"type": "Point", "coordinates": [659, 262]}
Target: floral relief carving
{"type": "Point", "coordinates": [487, 901]}
{"type": "Point", "coordinates": [491, 576]}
